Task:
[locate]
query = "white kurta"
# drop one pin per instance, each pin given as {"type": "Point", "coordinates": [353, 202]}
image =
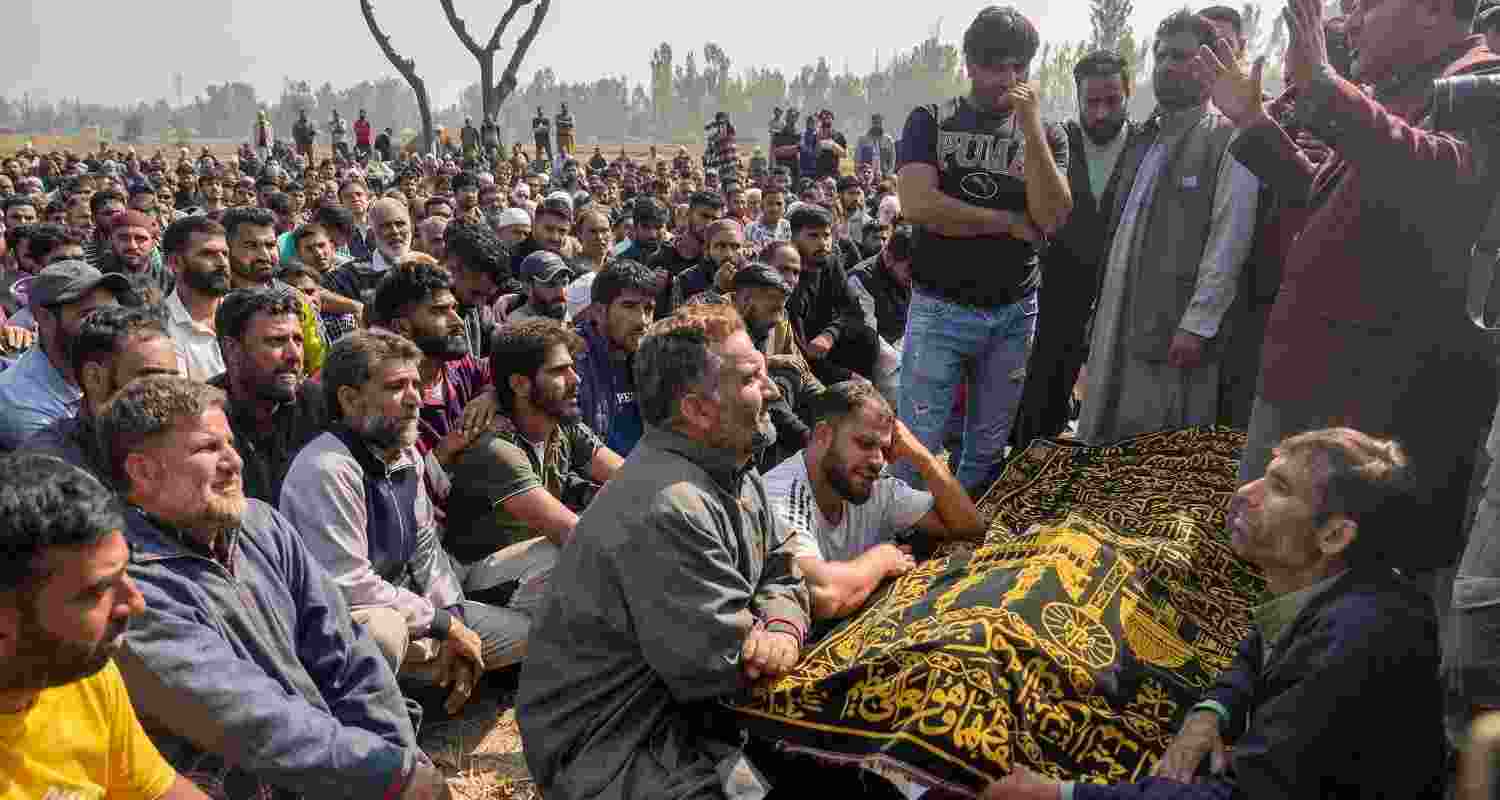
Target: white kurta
{"type": "Point", "coordinates": [1127, 396]}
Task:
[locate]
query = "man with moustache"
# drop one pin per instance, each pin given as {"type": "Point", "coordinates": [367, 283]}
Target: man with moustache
{"type": "Point", "coordinates": [245, 665]}
{"type": "Point", "coordinates": [480, 263]}
{"type": "Point", "coordinates": [390, 226]}
{"type": "Point", "coordinates": [546, 277]}
{"type": "Point", "coordinates": [1180, 228]}
{"type": "Point", "coordinates": [65, 602]}
{"type": "Point", "coordinates": [680, 585]}
{"type": "Point", "coordinates": [114, 346]}
{"type": "Point", "coordinates": [1340, 626]}
{"type": "Point", "coordinates": [981, 178]}
{"type": "Point", "coordinates": [198, 255]}
{"type": "Point", "coordinates": [356, 494]}
{"type": "Point", "coordinates": [253, 257]}
{"type": "Point", "coordinates": [417, 301]}
{"type": "Point", "coordinates": [1070, 267]}
{"type": "Point", "coordinates": [723, 254]}
{"type": "Point", "coordinates": [846, 519]}
{"type": "Point", "coordinates": [648, 231]}
{"type": "Point", "coordinates": [133, 251]}
{"type": "Point", "coordinates": [42, 387]}
{"type": "Point", "coordinates": [626, 293]}
{"type": "Point", "coordinates": [517, 491]}
{"type": "Point", "coordinates": [272, 410]}
{"type": "Point", "coordinates": [520, 486]}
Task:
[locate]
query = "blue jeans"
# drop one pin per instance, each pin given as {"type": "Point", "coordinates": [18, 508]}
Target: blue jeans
{"type": "Point", "coordinates": [941, 338]}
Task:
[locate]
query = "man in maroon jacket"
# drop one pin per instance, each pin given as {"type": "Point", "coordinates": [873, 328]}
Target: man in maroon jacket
{"type": "Point", "coordinates": [1368, 329]}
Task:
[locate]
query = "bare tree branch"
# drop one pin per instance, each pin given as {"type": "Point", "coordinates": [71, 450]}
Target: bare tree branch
{"type": "Point", "coordinates": [507, 82]}
{"type": "Point", "coordinates": [460, 28]}
{"type": "Point", "coordinates": [510, 14]}
{"type": "Point", "coordinates": [407, 67]}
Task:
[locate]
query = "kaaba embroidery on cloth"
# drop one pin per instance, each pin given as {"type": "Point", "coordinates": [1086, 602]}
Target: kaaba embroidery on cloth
{"type": "Point", "coordinates": [1101, 606]}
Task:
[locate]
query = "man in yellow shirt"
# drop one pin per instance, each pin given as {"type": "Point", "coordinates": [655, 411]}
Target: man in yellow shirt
{"type": "Point", "coordinates": [67, 729]}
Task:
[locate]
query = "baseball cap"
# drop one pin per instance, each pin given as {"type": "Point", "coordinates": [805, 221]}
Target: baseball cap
{"type": "Point", "coordinates": [758, 274]}
{"type": "Point", "coordinates": [544, 266]}
{"type": "Point", "coordinates": [650, 212]}
{"type": "Point", "coordinates": [512, 216]}
{"type": "Point", "coordinates": [68, 281]}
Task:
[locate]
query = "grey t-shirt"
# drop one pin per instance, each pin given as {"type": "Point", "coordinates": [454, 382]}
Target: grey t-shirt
{"type": "Point", "coordinates": [893, 507]}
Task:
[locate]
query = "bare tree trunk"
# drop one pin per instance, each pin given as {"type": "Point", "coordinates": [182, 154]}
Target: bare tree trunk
{"type": "Point", "coordinates": [408, 70]}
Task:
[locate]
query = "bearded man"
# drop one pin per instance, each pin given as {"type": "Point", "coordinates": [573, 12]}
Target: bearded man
{"type": "Point", "coordinates": [198, 255]}
{"type": "Point", "coordinates": [1096, 139]}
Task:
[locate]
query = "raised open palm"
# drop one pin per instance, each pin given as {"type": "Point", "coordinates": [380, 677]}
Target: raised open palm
{"type": "Point", "coordinates": [1236, 93]}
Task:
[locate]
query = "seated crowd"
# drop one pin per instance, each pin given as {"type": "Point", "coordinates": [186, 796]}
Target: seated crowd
{"type": "Point", "coordinates": [296, 458]}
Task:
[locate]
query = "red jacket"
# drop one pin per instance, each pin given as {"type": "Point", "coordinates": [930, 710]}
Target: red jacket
{"type": "Point", "coordinates": [1369, 328]}
{"type": "Point", "coordinates": [362, 132]}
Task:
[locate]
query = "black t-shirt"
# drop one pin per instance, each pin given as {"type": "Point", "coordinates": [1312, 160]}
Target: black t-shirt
{"type": "Point", "coordinates": [980, 160]}
{"type": "Point", "coordinates": [794, 162]}
{"type": "Point", "coordinates": [828, 161]}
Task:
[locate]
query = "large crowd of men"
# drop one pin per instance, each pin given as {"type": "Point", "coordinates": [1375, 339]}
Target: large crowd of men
{"type": "Point", "coordinates": [300, 443]}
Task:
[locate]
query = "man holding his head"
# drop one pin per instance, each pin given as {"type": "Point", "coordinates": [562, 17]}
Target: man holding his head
{"type": "Point", "coordinates": [846, 518]}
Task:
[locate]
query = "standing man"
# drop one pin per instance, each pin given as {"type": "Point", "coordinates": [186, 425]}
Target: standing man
{"type": "Point", "coordinates": [541, 135]}
{"type": "Point", "coordinates": [786, 147]}
{"type": "Point", "coordinates": [362, 135]}
{"type": "Point", "coordinates": [877, 149]}
{"type": "Point", "coordinates": [982, 180]}
{"type": "Point", "coordinates": [680, 588]}
{"type": "Point", "coordinates": [65, 602]}
{"type": "Point", "coordinates": [1180, 229]}
{"type": "Point", "coordinates": [198, 255]}
{"type": "Point", "coordinates": [303, 135]}
{"type": "Point", "coordinates": [1071, 265]}
{"type": "Point", "coordinates": [564, 131]}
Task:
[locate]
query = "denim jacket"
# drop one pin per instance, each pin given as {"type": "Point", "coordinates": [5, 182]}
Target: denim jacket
{"type": "Point", "coordinates": [248, 656]}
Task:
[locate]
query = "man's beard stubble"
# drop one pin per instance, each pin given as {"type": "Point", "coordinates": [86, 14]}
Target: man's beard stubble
{"type": "Point", "coordinates": [43, 661]}
{"type": "Point", "coordinates": [450, 347]}
{"type": "Point", "coordinates": [1104, 131]}
{"type": "Point", "coordinates": [215, 283]}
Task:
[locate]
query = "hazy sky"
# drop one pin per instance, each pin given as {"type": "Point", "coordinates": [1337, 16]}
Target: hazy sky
{"type": "Point", "coordinates": [124, 52]}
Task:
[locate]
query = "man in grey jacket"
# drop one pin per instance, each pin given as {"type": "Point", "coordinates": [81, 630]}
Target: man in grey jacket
{"type": "Point", "coordinates": [677, 590]}
{"type": "Point", "coordinates": [245, 665]}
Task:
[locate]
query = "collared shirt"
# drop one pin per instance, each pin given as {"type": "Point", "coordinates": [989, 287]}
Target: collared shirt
{"type": "Point", "coordinates": [198, 354]}
{"type": "Point", "coordinates": [33, 395]}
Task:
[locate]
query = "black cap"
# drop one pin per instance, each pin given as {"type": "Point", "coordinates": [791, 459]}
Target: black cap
{"type": "Point", "coordinates": [759, 274]}
{"type": "Point", "coordinates": [545, 266]}
{"type": "Point", "coordinates": [650, 212]}
{"type": "Point", "coordinates": [68, 281]}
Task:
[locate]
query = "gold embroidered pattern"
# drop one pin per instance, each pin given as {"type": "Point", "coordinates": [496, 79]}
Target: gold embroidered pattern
{"type": "Point", "coordinates": [1101, 605]}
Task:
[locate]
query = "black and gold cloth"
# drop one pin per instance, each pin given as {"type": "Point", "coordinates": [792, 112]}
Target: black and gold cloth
{"type": "Point", "coordinates": [1102, 604]}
